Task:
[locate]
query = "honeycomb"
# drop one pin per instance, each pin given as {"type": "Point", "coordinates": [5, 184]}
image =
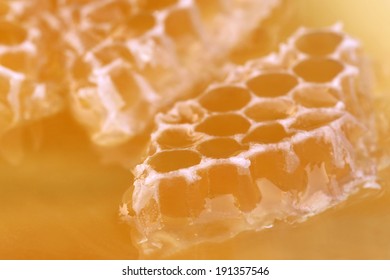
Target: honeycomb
{"type": "Point", "coordinates": [282, 138]}
{"type": "Point", "coordinates": [30, 67]}
{"type": "Point", "coordinates": [130, 59]}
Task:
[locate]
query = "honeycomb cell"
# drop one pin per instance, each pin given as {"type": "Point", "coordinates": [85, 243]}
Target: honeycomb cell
{"type": "Point", "coordinates": [319, 43]}
{"type": "Point", "coordinates": [220, 148]}
{"type": "Point", "coordinates": [266, 134]}
{"type": "Point", "coordinates": [11, 34]}
{"type": "Point", "coordinates": [224, 99]}
{"type": "Point", "coordinates": [224, 125]}
{"type": "Point", "coordinates": [16, 61]}
{"type": "Point", "coordinates": [80, 70]}
{"type": "Point", "coordinates": [314, 150]}
{"type": "Point", "coordinates": [272, 84]}
{"type": "Point", "coordinates": [317, 97]}
{"type": "Point", "coordinates": [179, 24]}
{"type": "Point", "coordinates": [112, 11]}
{"type": "Point", "coordinates": [139, 24]}
{"type": "Point", "coordinates": [270, 110]}
{"type": "Point", "coordinates": [318, 70]}
{"type": "Point", "coordinates": [208, 8]}
{"type": "Point", "coordinates": [313, 120]}
{"type": "Point", "coordinates": [172, 160]}
{"type": "Point", "coordinates": [126, 85]}
{"type": "Point", "coordinates": [176, 138]}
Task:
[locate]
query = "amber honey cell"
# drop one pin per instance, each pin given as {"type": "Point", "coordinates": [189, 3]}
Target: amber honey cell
{"type": "Point", "coordinates": [271, 144]}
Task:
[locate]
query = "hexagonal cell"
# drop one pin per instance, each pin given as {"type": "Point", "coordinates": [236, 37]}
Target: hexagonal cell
{"type": "Point", "coordinates": [272, 84]}
{"type": "Point", "coordinates": [178, 198]}
{"type": "Point", "coordinates": [317, 97]}
{"type": "Point", "coordinates": [176, 138]}
{"type": "Point", "coordinates": [184, 113]}
{"type": "Point", "coordinates": [126, 85]}
{"type": "Point", "coordinates": [220, 148]}
{"type": "Point", "coordinates": [109, 53]}
{"type": "Point", "coordinates": [318, 70]}
{"type": "Point", "coordinates": [314, 150]}
{"type": "Point", "coordinates": [80, 70]}
{"type": "Point", "coordinates": [319, 43]}
{"type": "Point", "coordinates": [153, 5]}
{"type": "Point", "coordinates": [11, 34]}
{"type": "Point", "coordinates": [171, 160]}
{"type": "Point", "coordinates": [313, 120]}
{"type": "Point", "coordinates": [17, 61]}
{"type": "Point", "coordinates": [140, 24]}
{"type": "Point", "coordinates": [224, 125]}
{"type": "Point", "coordinates": [208, 8]}
{"type": "Point", "coordinates": [224, 99]}
{"type": "Point", "coordinates": [112, 11]}
{"type": "Point", "coordinates": [226, 179]}
{"type": "Point", "coordinates": [270, 110]}
{"type": "Point", "coordinates": [266, 134]}
{"type": "Point", "coordinates": [178, 24]}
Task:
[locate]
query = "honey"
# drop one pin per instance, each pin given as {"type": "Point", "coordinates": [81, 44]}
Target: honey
{"type": "Point", "coordinates": [232, 166]}
{"type": "Point", "coordinates": [61, 202]}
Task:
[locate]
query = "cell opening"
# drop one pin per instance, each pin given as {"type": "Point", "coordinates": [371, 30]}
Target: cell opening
{"type": "Point", "coordinates": [270, 110]}
{"type": "Point", "coordinates": [319, 43]}
{"type": "Point", "coordinates": [221, 148]}
{"type": "Point", "coordinates": [172, 160]}
{"type": "Point", "coordinates": [16, 61]}
{"type": "Point", "coordinates": [224, 125]}
{"type": "Point", "coordinates": [112, 11]}
{"type": "Point", "coordinates": [316, 97]}
{"type": "Point", "coordinates": [108, 54]}
{"type": "Point", "coordinates": [176, 138]}
{"type": "Point", "coordinates": [266, 134]}
{"type": "Point", "coordinates": [126, 85]}
{"type": "Point", "coordinates": [139, 24]}
{"type": "Point", "coordinates": [179, 24]}
{"type": "Point", "coordinates": [208, 8]}
{"type": "Point", "coordinates": [224, 99]}
{"type": "Point", "coordinates": [318, 70]}
{"type": "Point", "coordinates": [272, 84]}
{"type": "Point", "coordinates": [11, 34]}
{"type": "Point", "coordinates": [313, 120]}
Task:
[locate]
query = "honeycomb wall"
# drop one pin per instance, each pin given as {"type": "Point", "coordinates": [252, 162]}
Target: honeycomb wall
{"type": "Point", "coordinates": [114, 63]}
{"type": "Point", "coordinates": [152, 53]}
{"type": "Point", "coordinates": [282, 138]}
{"type": "Point", "coordinates": [29, 81]}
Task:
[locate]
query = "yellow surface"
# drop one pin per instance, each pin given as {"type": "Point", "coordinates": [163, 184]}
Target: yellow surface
{"type": "Point", "coordinates": [61, 203]}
